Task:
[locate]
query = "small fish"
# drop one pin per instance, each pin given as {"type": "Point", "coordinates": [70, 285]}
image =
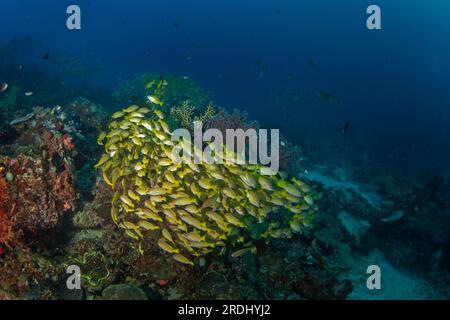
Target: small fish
{"type": "Point", "coordinates": [155, 100]}
{"type": "Point", "coordinates": [233, 220]}
{"type": "Point", "coordinates": [146, 124]}
{"type": "Point", "coordinates": [133, 195]}
{"type": "Point", "coordinates": [136, 114]}
{"type": "Point", "coordinates": [253, 198]}
{"type": "Point", "coordinates": [176, 25]}
{"type": "Point", "coordinates": [205, 184]}
{"type": "Point", "coordinates": [325, 96]}
{"type": "Point", "coordinates": [265, 183]}
{"type": "Point", "coordinates": [29, 93]}
{"type": "Point", "coordinates": [157, 191]}
{"type": "Point", "coordinates": [131, 234]}
{"type": "Point", "coordinates": [194, 222]}
{"type": "Point", "coordinates": [101, 137]}
{"type": "Point", "coordinates": [129, 225]}
{"type": "Point", "coordinates": [309, 200]}
{"type": "Point", "coordinates": [158, 199]}
{"type": "Point", "coordinates": [192, 209]}
{"type": "Point", "coordinates": [188, 57]}
{"type": "Point", "coordinates": [194, 236]}
{"type": "Point", "coordinates": [167, 247]}
{"type": "Point", "coordinates": [165, 126]}
{"type": "Point", "coordinates": [183, 202]}
{"type": "Point", "coordinates": [170, 177]}
{"type": "Point", "coordinates": [3, 87]}
{"type": "Point", "coordinates": [127, 201]}
{"type": "Point", "coordinates": [46, 56]}
{"type": "Point", "coordinates": [328, 97]}
{"type": "Point", "coordinates": [169, 213]}
{"type": "Point", "coordinates": [346, 127]}
{"type": "Point", "coordinates": [229, 193]}
{"type": "Point", "coordinates": [165, 162]}
{"type": "Point", "coordinates": [168, 236]}
{"type": "Point", "coordinates": [21, 67]}
{"type": "Point", "coordinates": [180, 258]}
{"type": "Point", "coordinates": [117, 115]}
{"type": "Point", "coordinates": [215, 217]}
{"type": "Point", "coordinates": [241, 252]}
{"type": "Point", "coordinates": [131, 108]}
{"type": "Point", "coordinates": [150, 214]}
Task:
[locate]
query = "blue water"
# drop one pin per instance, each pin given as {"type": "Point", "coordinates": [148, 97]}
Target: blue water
{"type": "Point", "coordinates": [392, 83]}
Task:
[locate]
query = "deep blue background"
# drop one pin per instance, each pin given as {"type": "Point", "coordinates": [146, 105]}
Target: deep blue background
{"type": "Point", "coordinates": [393, 81]}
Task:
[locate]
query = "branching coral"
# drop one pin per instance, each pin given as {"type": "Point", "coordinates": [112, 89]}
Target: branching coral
{"type": "Point", "coordinates": [195, 208]}
{"type": "Point", "coordinates": [186, 114]}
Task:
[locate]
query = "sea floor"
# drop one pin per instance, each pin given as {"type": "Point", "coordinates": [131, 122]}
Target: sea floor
{"type": "Point", "coordinates": [62, 216]}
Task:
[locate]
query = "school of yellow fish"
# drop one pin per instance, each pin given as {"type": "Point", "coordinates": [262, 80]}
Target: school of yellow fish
{"type": "Point", "coordinates": [195, 208]}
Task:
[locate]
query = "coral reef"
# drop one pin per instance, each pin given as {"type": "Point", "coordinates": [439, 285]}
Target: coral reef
{"type": "Point", "coordinates": [27, 275]}
{"type": "Point", "coordinates": [204, 210]}
{"type": "Point", "coordinates": [37, 190]}
{"type": "Point", "coordinates": [41, 167]}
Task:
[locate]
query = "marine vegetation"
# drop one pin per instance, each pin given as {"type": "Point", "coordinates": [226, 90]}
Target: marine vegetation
{"type": "Point", "coordinates": [186, 114]}
{"type": "Point", "coordinates": [195, 208]}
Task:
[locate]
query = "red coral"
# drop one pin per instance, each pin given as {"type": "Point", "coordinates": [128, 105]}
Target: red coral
{"type": "Point", "coordinates": [52, 143]}
{"type": "Point", "coordinates": [67, 140]}
{"type": "Point", "coordinates": [237, 119]}
{"type": "Point", "coordinates": [7, 236]}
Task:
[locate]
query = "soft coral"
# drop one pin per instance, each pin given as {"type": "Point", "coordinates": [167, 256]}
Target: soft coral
{"type": "Point", "coordinates": [6, 211]}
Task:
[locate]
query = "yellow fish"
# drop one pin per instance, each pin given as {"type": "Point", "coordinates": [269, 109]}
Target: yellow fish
{"type": "Point", "coordinates": [243, 251]}
{"type": "Point", "coordinates": [147, 225]}
{"type": "Point", "coordinates": [167, 247]}
{"type": "Point", "coordinates": [180, 258]}
{"type": "Point", "coordinates": [167, 235]}
{"type": "Point", "coordinates": [155, 100]}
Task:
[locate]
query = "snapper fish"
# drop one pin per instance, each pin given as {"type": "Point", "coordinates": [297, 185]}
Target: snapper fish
{"type": "Point", "coordinates": [241, 252]}
{"type": "Point", "coordinates": [167, 247]}
{"type": "Point", "coordinates": [155, 100]}
{"type": "Point", "coordinates": [3, 87]}
{"type": "Point", "coordinates": [180, 258]}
